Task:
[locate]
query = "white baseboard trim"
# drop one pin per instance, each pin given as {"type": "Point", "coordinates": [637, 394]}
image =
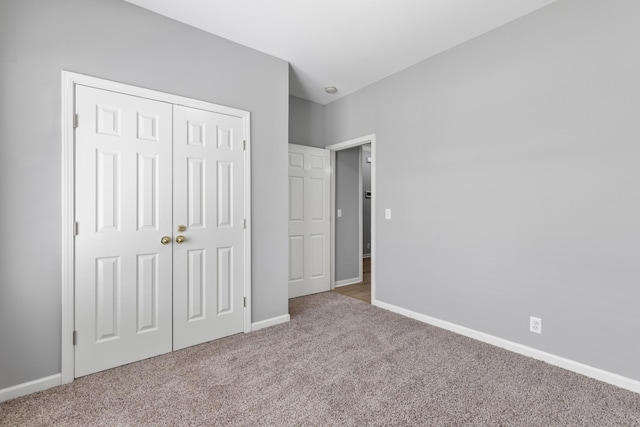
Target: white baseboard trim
{"type": "Point", "coordinates": [552, 359]}
{"type": "Point", "coordinates": [270, 322]}
{"type": "Point", "coordinates": [348, 282]}
{"type": "Point", "coordinates": [30, 387]}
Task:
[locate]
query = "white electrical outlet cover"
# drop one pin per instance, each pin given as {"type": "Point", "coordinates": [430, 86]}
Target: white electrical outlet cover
{"type": "Point", "coordinates": [535, 325]}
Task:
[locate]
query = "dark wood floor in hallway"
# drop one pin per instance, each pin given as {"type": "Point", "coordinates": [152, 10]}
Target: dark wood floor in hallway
{"type": "Point", "coordinates": [362, 290]}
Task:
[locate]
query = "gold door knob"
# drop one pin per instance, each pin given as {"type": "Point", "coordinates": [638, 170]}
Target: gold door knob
{"type": "Point", "coordinates": [182, 228]}
{"type": "Point", "coordinates": [179, 239]}
{"type": "Point", "coordinates": [165, 240]}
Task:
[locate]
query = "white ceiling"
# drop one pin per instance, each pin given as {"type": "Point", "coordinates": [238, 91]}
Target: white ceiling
{"type": "Point", "coordinates": [348, 44]}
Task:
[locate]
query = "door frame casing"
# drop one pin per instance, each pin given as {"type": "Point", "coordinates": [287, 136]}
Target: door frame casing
{"type": "Point", "coordinates": [69, 82]}
{"type": "Point", "coordinates": [356, 142]}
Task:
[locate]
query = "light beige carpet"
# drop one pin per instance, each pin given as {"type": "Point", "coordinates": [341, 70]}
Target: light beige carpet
{"type": "Point", "coordinates": [338, 362]}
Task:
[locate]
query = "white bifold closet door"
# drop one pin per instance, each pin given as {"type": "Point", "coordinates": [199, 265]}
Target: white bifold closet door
{"type": "Point", "coordinates": [149, 175]}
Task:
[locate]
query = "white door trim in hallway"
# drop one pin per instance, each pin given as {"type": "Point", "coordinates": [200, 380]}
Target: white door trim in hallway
{"type": "Point", "coordinates": [368, 139]}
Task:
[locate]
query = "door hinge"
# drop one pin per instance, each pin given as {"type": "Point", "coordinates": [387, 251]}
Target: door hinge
{"type": "Point", "coordinates": [244, 302]}
{"type": "Point", "coordinates": [75, 121]}
{"type": "Point", "coordinates": [75, 228]}
{"type": "Point", "coordinates": [244, 144]}
{"type": "Point", "coordinates": [75, 337]}
{"type": "Point", "coordinates": [244, 223]}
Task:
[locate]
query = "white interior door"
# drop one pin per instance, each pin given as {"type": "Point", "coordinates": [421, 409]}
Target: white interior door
{"type": "Point", "coordinates": [209, 270]}
{"type": "Point", "coordinates": [309, 220]}
{"type": "Point", "coordinates": [160, 250]}
{"type": "Point", "coordinates": [123, 209]}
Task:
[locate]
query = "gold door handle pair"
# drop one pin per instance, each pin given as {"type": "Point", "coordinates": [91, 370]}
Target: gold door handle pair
{"type": "Point", "coordinates": [179, 239]}
{"type": "Point", "coordinates": [166, 240]}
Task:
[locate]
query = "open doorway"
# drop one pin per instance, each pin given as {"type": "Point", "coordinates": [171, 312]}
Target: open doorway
{"type": "Point", "coordinates": [353, 218]}
{"type": "Point", "coordinates": [360, 290]}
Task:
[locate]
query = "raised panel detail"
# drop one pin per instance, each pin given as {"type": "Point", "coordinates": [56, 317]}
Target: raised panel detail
{"type": "Point", "coordinates": [225, 194]}
{"type": "Point", "coordinates": [195, 133]}
{"type": "Point", "coordinates": [317, 163]}
{"type": "Point", "coordinates": [147, 192]}
{"type": "Point", "coordinates": [107, 298]}
{"type": "Point", "coordinates": [196, 284]}
{"type": "Point", "coordinates": [296, 160]}
{"type": "Point", "coordinates": [108, 121]}
{"type": "Point", "coordinates": [317, 255]}
{"type": "Point", "coordinates": [309, 220]}
{"type": "Point", "coordinates": [317, 199]}
{"type": "Point", "coordinates": [196, 192]}
{"type": "Point", "coordinates": [296, 198]}
{"type": "Point", "coordinates": [225, 139]}
{"type": "Point", "coordinates": [296, 257]}
{"type": "Point", "coordinates": [148, 127]}
{"type": "Point", "coordinates": [108, 192]}
{"type": "Point", "coordinates": [225, 280]}
{"type": "Point", "coordinates": [147, 304]}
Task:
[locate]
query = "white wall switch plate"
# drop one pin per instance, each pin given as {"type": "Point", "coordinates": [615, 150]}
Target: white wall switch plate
{"type": "Point", "coordinates": [339, 213]}
{"type": "Point", "coordinates": [387, 214]}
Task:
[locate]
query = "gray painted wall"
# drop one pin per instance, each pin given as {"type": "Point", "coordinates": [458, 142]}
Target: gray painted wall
{"type": "Point", "coordinates": [347, 178]}
{"type": "Point", "coordinates": [510, 164]}
{"type": "Point", "coordinates": [306, 123]}
{"type": "Point", "coordinates": [121, 42]}
{"type": "Point", "coordinates": [366, 203]}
